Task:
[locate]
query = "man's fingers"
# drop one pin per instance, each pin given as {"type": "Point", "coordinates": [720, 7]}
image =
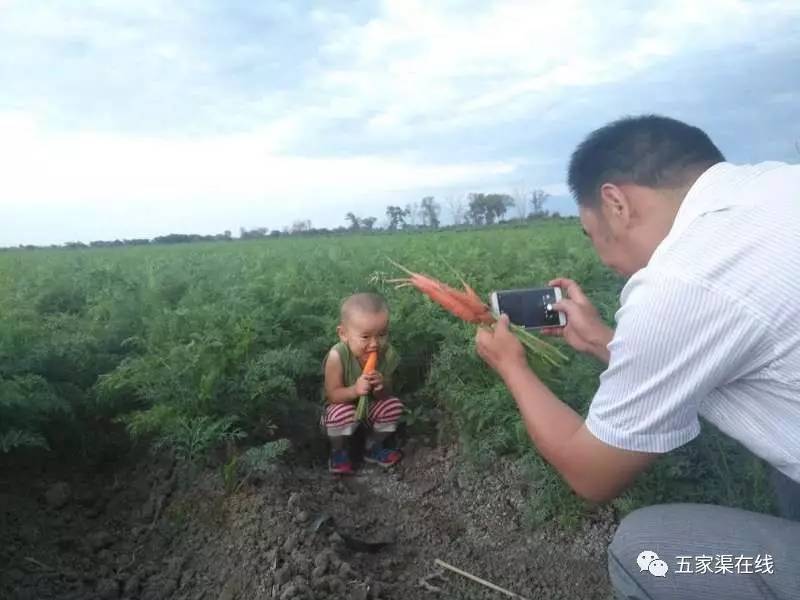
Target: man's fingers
{"type": "Point", "coordinates": [502, 328]}
{"type": "Point", "coordinates": [481, 335]}
{"type": "Point", "coordinates": [566, 306]}
{"type": "Point", "coordinates": [571, 288]}
{"type": "Point", "coordinates": [553, 331]}
{"type": "Point", "coordinates": [562, 282]}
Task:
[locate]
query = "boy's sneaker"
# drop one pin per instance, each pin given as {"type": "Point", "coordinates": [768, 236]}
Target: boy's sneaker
{"type": "Point", "coordinates": [382, 456]}
{"type": "Point", "coordinates": [339, 463]}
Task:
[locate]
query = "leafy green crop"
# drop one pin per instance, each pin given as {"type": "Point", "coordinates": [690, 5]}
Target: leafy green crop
{"type": "Point", "coordinates": [193, 346]}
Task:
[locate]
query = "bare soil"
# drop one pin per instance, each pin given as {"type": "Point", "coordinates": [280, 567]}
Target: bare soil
{"type": "Point", "coordinates": [143, 529]}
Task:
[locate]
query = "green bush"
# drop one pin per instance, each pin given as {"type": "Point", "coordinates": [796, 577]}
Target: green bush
{"type": "Point", "coordinates": [28, 406]}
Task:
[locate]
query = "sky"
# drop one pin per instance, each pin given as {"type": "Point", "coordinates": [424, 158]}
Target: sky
{"type": "Point", "coordinates": [130, 119]}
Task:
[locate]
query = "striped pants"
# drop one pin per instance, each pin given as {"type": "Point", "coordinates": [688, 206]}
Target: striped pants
{"type": "Point", "coordinates": [383, 415]}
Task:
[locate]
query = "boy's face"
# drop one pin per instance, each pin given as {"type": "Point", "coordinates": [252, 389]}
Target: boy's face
{"type": "Point", "coordinates": [364, 332]}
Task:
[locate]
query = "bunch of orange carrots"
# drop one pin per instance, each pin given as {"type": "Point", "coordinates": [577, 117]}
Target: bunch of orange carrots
{"type": "Point", "coordinates": [468, 306]}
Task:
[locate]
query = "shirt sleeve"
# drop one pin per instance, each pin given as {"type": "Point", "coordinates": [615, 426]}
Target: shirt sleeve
{"type": "Point", "coordinates": [675, 342]}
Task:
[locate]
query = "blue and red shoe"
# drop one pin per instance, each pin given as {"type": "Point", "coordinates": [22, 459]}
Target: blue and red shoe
{"type": "Point", "coordinates": [384, 457]}
{"type": "Point", "coordinates": [340, 463]}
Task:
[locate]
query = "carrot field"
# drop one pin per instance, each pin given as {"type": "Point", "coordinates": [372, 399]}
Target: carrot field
{"type": "Point", "coordinates": [191, 347]}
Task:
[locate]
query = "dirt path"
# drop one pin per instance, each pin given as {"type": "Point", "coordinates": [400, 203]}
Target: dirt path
{"type": "Point", "coordinates": [146, 532]}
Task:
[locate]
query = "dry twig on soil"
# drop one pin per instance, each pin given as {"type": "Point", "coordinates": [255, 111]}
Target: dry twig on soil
{"type": "Point", "coordinates": [488, 584]}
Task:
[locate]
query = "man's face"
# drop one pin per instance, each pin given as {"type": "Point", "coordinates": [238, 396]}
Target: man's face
{"type": "Point", "coordinates": [629, 222]}
{"type": "Point", "coordinates": [365, 332]}
{"type": "Point", "coordinates": [611, 239]}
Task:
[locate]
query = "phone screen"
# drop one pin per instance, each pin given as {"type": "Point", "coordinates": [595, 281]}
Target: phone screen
{"type": "Point", "coordinates": [528, 308]}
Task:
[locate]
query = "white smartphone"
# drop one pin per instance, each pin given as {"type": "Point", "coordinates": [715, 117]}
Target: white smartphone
{"type": "Point", "coordinates": [530, 308]}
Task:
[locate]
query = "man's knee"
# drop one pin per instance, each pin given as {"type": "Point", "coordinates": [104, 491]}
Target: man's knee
{"type": "Point", "coordinates": [636, 529]}
{"type": "Point", "coordinates": [787, 495]}
{"type": "Point", "coordinates": [636, 535]}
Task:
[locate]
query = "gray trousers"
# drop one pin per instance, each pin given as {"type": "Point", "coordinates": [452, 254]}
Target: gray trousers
{"type": "Point", "coordinates": [711, 552]}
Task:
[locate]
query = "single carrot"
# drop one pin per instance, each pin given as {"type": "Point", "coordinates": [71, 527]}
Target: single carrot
{"type": "Point", "coordinates": [369, 367]}
{"type": "Point", "coordinates": [371, 364]}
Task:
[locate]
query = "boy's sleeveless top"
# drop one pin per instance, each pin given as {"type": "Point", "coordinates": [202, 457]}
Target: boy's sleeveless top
{"type": "Point", "coordinates": [388, 360]}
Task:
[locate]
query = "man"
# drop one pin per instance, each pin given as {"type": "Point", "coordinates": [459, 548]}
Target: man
{"type": "Point", "coordinates": [709, 325]}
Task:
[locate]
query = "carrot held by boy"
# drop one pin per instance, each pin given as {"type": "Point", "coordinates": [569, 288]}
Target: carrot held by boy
{"type": "Point", "coordinates": [369, 368]}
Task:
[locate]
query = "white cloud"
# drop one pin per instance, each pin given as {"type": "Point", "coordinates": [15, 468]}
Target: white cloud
{"type": "Point", "coordinates": [420, 66]}
{"type": "Point", "coordinates": [235, 175]}
{"type": "Point", "coordinates": [39, 165]}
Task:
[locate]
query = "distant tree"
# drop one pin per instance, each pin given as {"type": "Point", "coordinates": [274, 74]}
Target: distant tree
{"type": "Point", "coordinates": [259, 232]}
{"type": "Point", "coordinates": [412, 211]}
{"type": "Point", "coordinates": [368, 223]}
{"type": "Point", "coordinates": [476, 211]}
{"type": "Point", "coordinates": [397, 217]}
{"type": "Point", "coordinates": [521, 197]}
{"type": "Point", "coordinates": [487, 208]}
{"type": "Point", "coordinates": [538, 198]}
{"type": "Point", "coordinates": [172, 238]}
{"type": "Point", "coordinates": [355, 222]}
{"type": "Point", "coordinates": [429, 211]}
{"type": "Point", "coordinates": [458, 212]}
{"type": "Point", "coordinates": [227, 234]}
{"type": "Point", "coordinates": [301, 226]}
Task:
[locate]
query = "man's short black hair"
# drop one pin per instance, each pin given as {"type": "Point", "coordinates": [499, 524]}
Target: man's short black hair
{"type": "Point", "coordinates": [648, 150]}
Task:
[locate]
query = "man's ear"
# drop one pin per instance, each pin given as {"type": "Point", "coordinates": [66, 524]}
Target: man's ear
{"type": "Point", "coordinates": [615, 206]}
{"type": "Point", "coordinates": [341, 332]}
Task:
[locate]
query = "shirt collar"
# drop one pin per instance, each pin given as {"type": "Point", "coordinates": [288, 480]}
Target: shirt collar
{"type": "Point", "coordinates": [703, 197]}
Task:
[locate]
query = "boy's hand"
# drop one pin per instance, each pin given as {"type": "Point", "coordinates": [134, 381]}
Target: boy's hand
{"type": "Point", "coordinates": [376, 380]}
{"type": "Point", "coordinates": [363, 385]}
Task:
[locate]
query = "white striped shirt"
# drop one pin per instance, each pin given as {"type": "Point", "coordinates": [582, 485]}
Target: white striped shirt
{"type": "Point", "coordinates": [711, 326]}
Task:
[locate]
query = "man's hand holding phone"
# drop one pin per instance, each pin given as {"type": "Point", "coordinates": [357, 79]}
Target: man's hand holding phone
{"type": "Point", "coordinates": [561, 310]}
{"type": "Point", "coordinates": [585, 330]}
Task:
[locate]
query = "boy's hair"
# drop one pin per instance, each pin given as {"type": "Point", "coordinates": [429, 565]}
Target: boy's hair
{"type": "Point", "coordinates": [364, 302]}
{"type": "Point", "coordinates": [648, 150]}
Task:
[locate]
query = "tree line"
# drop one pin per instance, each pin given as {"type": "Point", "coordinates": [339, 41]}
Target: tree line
{"type": "Point", "coordinates": [478, 209]}
{"type": "Point", "coordinates": [474, 210]}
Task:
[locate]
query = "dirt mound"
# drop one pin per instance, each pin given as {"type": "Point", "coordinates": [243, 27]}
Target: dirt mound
{"type": "Point", "coordinates": [149, 531]}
